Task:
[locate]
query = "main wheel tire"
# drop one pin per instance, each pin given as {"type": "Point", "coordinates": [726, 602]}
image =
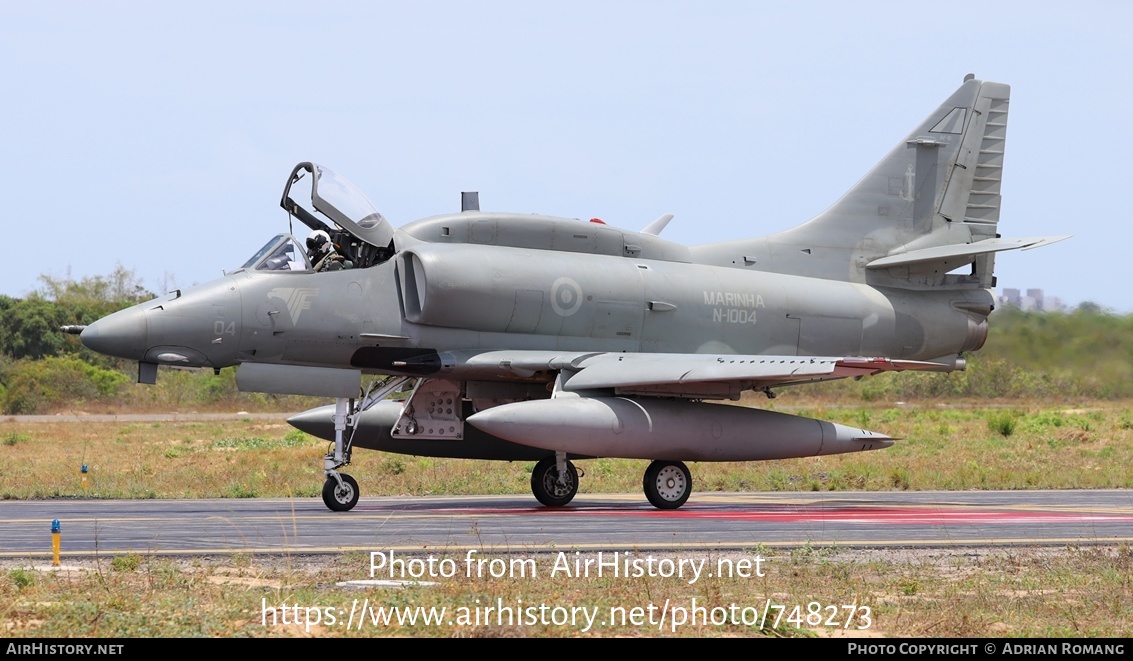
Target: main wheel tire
{"type": "Point", "coordinates": [667, 484]}
{"type": "Point", "coordinates": [545, 483]}
{"type": "Point", "coordinates": [340, 499]}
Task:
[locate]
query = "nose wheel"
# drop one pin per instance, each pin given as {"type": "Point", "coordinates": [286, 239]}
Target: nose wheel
{"type": "Point", "coordinates": [667, 484]}
{"type": "Point", "coordinates": [340, 498]}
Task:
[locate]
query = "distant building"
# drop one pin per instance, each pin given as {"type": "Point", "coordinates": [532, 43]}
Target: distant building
{"type": "Point", "coordinates": [1033, 301]}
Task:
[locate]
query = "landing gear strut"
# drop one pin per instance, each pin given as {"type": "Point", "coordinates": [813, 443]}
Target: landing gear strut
{"type": "Point", "coordinates": [340, 491]}
{"type": "Point", "coordinates": [554, 480]}
{"type": "Point", "coordinates": [667, 484]}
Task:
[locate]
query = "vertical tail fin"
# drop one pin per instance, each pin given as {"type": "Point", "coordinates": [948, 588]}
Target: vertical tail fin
{"type": "Point", "coordinates": [930, 206]}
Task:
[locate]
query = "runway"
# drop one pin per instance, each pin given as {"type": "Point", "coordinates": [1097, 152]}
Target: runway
{"type": "Point", "coordinates": [591, 523]}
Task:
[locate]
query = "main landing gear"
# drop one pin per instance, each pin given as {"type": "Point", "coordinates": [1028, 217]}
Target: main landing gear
{"type": "Point", "coordinates": [667, 484]}
{"type": "Point", "coordinates": [554, 480]}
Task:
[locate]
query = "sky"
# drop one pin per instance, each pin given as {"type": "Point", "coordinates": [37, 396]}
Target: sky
{"type": "Point", "coordinates": [158, 136]}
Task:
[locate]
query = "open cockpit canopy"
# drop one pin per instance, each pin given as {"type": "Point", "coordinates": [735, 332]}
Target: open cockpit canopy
{"type": "Point", "coordinates": [359, 231]}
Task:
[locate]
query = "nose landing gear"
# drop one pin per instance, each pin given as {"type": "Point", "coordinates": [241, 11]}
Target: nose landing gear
{"type": "Point", "coordinates": [340, 491]}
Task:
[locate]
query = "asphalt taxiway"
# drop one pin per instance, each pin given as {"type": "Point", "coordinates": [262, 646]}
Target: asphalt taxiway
{"type": "Point", "coordinates": [591, 522]}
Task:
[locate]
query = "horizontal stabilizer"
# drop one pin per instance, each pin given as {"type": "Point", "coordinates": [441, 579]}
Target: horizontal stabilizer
{"type": "Point", "coordinates": [962, 253]}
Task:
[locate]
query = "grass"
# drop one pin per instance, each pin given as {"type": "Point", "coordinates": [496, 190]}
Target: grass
{"type": "Point", "coordinates": [1085, 446]}
{"type": "Point", "coordinates": [1071, 592]}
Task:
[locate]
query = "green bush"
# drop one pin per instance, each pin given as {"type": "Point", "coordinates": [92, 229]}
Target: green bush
{"type": "Point", "coordinates": [213, 388]}
{"type": "Point", "coordinates": [1002, 422]}
{"type": "Point", "coordinates": [33, 386]}
{"type": "Point", "coordinates": [126, 563]}
{"type": "Point", "coordinates": [22, 577]}
{"type": "Point", "coordinates": [30, 329]}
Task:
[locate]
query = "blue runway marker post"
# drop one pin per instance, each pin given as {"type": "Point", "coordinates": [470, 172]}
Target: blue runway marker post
{"type": "Point", "coordinates": [55, 542]}
{"type": "Point", "coordinates": [84, 477]}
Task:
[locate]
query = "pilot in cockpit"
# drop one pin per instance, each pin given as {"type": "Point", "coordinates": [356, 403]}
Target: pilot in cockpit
{"type": "Point", "coordinates": [321, 251]}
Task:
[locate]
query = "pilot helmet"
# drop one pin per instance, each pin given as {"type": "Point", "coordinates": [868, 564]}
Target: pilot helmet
{"type": "Point", "coordinates": [318, 242]}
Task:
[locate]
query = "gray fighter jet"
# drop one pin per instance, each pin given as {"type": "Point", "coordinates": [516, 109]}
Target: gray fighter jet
{"type": "Point", "coordinates": [528, 337]}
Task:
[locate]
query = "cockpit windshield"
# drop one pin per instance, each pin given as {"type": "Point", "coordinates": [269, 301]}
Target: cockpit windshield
{"type": "Point", "coordinates": [281, 253]}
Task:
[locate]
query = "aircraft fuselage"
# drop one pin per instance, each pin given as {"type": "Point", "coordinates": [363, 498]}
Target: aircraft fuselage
{"type": "Point", "coordinates": [442, 299]}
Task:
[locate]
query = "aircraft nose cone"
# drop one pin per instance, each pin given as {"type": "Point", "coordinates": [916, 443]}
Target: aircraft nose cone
{"type": "Point", "coordinates": [122, 334]}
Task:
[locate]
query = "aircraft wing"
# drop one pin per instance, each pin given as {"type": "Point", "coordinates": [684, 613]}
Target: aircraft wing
{"type": "Point", "coordinates": [611, 370]}
{"type": "Point", "coordinates": [707, 375]}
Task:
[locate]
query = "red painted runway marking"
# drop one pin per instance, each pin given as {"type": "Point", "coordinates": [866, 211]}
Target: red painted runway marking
{"type": "Point", "coordinates": [871, 515]}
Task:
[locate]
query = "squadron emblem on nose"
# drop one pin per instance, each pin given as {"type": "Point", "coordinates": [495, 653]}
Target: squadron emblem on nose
{"type": "Point", "coordinates": [297, 299]}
